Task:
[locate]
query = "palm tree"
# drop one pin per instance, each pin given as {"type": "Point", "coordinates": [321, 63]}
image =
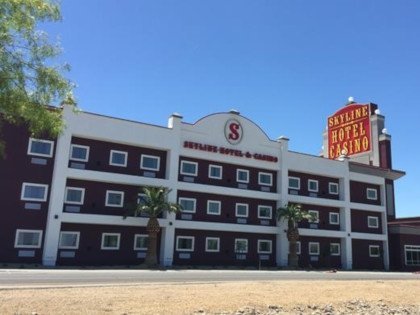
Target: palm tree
{"type": "Point", "coordinates": [153, 204]}
{"type": "Point", "coordinates": [293, 214]}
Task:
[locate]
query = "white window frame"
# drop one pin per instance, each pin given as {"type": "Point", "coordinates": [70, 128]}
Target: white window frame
{"type": "Point", "coordinates": [331, 214]}
{"type": "Point", "coordinates": [316, 212]}
{"type": "Point", "coordinates": [74, 202]}
{"type": "Point", "coordinates": [214, 201]}
{"type": "Point", "coordinates": [218, 167]}
{"type": "Point", "coordinates": [22, 194]}
{"type": "Point", "coordinates": [188, 162]}
{"type": "Point", "coordinates": [262, 251]}
{"type": "Point", "coordinates": [314, 181]}
{"type": "Point", "coordinates": [372, 190]}
{"type": "Point", "coordinates": [150, 157]}
{"type": "Point", "coordinates": [265, 174]}
{"type": "Point", "coordinates": [183, 249]}
{"type": "Point", "coordinates": [110, 234]}
{"type": "Point", "coordinates": [118, 152]}
{"type": "Point", "coordinates": [370, 251]}
{"type": "Point", "coordinates": [32, 140]}
{"type": "Point", "coordinates": [241, 215]}
{"type": "Point", "coordinates": [79, 146]}
{"type": "Point", "coordinates": [298, 182]}
{"type": "Point", "coordinates": [242, 180]}
{"type": "Point", "coordinates": [69, 247]}
{"type": "Point", "coordinates": [331, 184]}
{"type": "Point", "coordinates": [376, 226]}
{"type": "Point", "coordinates": [107, 204]}
{"type": "Point", "coordinates": [246, 247]}
{"type": "Point", "coordinates": [263, 217]}
{"type": "Point", "coordinates": [412, 248]}
{"type": "Point", "coordinates": [338, 245]}
{"type": "Point", "coordinates": [40, 232]}
{"type": "Point", "coordinates": [309, 248]}
{"type": "Point", "coordinates": [188, 199]}
{"type": "Point", "coordinates": [218, 244]}
{"type": "Point", "coordinates": [135, 241]}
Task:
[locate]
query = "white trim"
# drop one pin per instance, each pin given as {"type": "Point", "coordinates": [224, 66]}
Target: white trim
{"type": "Point", "coordinates": [332, 184]}
{"type": "Point", "coordinates": [192, 238]}
{"type": "Point", "coordinates": [82, 147]}
{"type": "Point", "coordinates": [218, 244]}
{"type": "Point", "coordinates": [242, 180]}
{"type": "Point", "coordinates": [265, 206]}
{"type": "Point", "coordinates": [370, 250]}
{"type": "Point", "coordinates": [31, 140]}
{"type": "Point", "coordinates": [118, 152]}
{"type": "Point", "coordinates": [215, 166]}
{"type": "Point", "coordinates": [246, 245]}
{"type": "Point", "coordinates": [265, 184]}
{"type": "Point", "coordinates": [315, 182]}
{"type": "Point", "coordinates": [188, 162]}
{"type": "Point", "coordinates": [241, 215]}
{"type": "Point", "coordinates": [264, 241]}
{"type": "Point", "coordinates": [110, 234]}
{"type": "Point", "coordinates": [74, 202]}
{"type": "Point", "coordinates": [180, 199]}
{"type": "Point", "coordinates": [371, 190]}
{"type": "Point", "coordinates": [214, 201]}
{"type": "Point", "coordinates": [150, 157]}
{"type": "Point", "coordinates": [376, 226]}
{"type": "Point", "coordinates": [338, 245]}
{"type": "Point", "coordinates": [135, 241]}
{"type": "Point", "coordinates": [338, 218]}
{"type": "Point", "coordinates": [39, 232]}
{"type": "Point", "coordinates": [298, 181]}
{"type": "Point", "coordinates": [309, 248]}
{"type": "Point", "coordinates": [107, 204]}
{"type": "Point", "coordinates": [413, 248]}
{"type": "Point", "coordinates": [25, 184]}
{"type": "Point", "coordinates": [69, 247]}
{"type": "Point", "coordinates": [316, 215]}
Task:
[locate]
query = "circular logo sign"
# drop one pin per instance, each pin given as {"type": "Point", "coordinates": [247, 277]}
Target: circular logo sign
{"type": "Point", "coordinates": [233, 131]}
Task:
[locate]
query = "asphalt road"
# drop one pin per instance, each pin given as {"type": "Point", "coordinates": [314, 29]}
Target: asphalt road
{"type": "Point", "coordinates": [29, 278]}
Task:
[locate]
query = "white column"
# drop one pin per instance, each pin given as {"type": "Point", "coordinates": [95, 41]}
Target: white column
{"type": "Point", "coordinates": [347, 251]}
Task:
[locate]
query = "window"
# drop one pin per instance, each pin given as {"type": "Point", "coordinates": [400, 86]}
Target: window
{"type": "Point", "coordinates": [294, 182]}
{"type": "Point", "coordinates": [69, 240]}
{"type": "Point", "coordinates": [333, 188]}
{"type": "Point", "coordinates": [265, 179]}
{"type": "Point", "coordinates": [241, 245]}
{"type": "Point", "coordinates": [297, 248]}
{"type": "Point", "coordinates": [150, 162]}
{"type": "Point", "coordinates": [412, 255]}
{"type": "Point", "coordinates": [141, 198]}
{"type": "Point", "coordinates": [141, 241]}
{"type": "Point", "coordinates": [374, 251]}
{"type": "Point", "coordinates": [34, 192]}
{"type": "Point", "coordinates": [212, 244]}
{"type": "Point", "coordinates": [118, 158]}
{"type": "Point", "coordinates": [372, 194]}
{"type": "Point", "coordinates": [241, 210]}
{"type": "Point", "coordinates": [373, 222]}
{"type": "Point", "coordinates": [242, 176]}
{"type": "Point", "coordinates": [74, 195]}
{"type": "Point", "coordinates": [40, 147]}
{"type": "Point", "coordinates": [28, 238]}
{"type": "Point", "coordinates": [335, 249]}
{"type": "Point", "coordinates": [334, 218]}
{"type": "Point", "coordinates": [312, 185]}
{"type": "Point", "coordinates": [264, 246]}
{"type": "Point", "coordinates": [215, 171]}
{"type": "Point", "coordinates": [187, 204]}
{"type": "Point", "coordinates": [79, 153]}
{"type": "Point", "coordinates": [313, 248]}
{"type": "Point", "coordinates": [315, 216]}
{"type": "Point", "coordinates": [264, 212]}
{"type": "Point", "coordinates": [114, 198]}
{"type": "Point", "coordinates": [213, 207]}
{"type": "Point", "coordinates": [189, 168]}
{"type": "Point", "coordinates": [185, 243]}
{"type": "Point", "coordinates": [110, 241]}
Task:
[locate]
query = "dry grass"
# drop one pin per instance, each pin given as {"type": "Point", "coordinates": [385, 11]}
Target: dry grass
{"type": "Point", "coordinates": [186, 298]}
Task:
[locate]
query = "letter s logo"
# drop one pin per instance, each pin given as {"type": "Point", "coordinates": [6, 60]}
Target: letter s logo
{"type": "Point", "coordinates": [233, 131]}
{"type": "Point", "coordinates": [234, 135]}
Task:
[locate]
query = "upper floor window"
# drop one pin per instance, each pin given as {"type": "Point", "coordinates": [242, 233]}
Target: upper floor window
{"type": "Point", "coordinates": [141, 241]}
{"type": "Point", "coordinates": [28, 238]}
{"type": "Point", "coordinates": [315, 216]}
{"type": "Point", "coordinates": [79, 153]}
{"type": "Point", "coordinates": [40, 147]}
{"type": "Point", "coordinates": [313, 248]}
{"type": "Point", "coordinates": [213, 207]}
{"type": "Point", "coordinates": [242, 176]}
{"type": "Point", "coordinates": [215, 171]}
{"type": "Point", "coordinates": [334, 218]}
{"type": "Point", "coordinates": [185, 243]}
{"type": "Point", "coordinates": [241, 245]}
{"type": "Point", "coordinates": [74, 195]}
{"type": "Point", "coordinates": [265, 179]}
{"type": "Point", "coordinates": [34, 192]}
{"type": "Point", "coordinates": [150, 162]}
{"type": "Point", "coordinates": [114, 198]}
{"type": "Point", "coordinates": [335, 249]}
{"type": "Point", "coordinates": [264, 212]}
{"type": "Point", "coordinates": [312, 185]}
{"type": "Point", "coordinates": [264, 246]}
{"type": "Point", "coordinates": [69, 240]}
{"type": "Point", "coordinates": [374, 251]}
{"type": "Point", "coordinates": [294, 182]}
{"type": "Point", "coordinates": [372, 194]}
{"type": "Point", "coordinates": [118, 158]}
{"type": "Point", "coordinates": [333, 188]}
{"type": "Point", "coordinates": [189, 168]}
{"type": "Point", "coordinates": [187, 204]}
{"type": "Point", "coordinates": [373, 222]}
{"type": "Point", "coordinates": [212, 244]}
{"type": "Point", "coordinates": [241, 210]}
{"type": "Point", "coordinates": [110, 241]}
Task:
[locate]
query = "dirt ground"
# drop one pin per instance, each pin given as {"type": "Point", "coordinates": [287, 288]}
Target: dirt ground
{"type": "Point", "coordinates": [189, 298]}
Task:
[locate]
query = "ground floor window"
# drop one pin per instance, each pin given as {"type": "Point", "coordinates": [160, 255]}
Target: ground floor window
{"type": "Point", "coordinates": [212, 244]}
{"type": "Point", "coordinates": [141, 241]}
{"type": "Point", "coordinates": [110, 241]}
{"type": "Point", "coordinates": [241, 245]}
{"type": "Point", "coordinates": [264, 247]}
{"type": "Point", "coordinates": [374, 251]}
{"type": "Point", "coordinates": [69, 240]}
{"type": "Point", "coordinates": [412, 255]}
{"type": "Point", "coordinates": [185, 243]}
{"type": "Point", "coordinates": [28, 238]}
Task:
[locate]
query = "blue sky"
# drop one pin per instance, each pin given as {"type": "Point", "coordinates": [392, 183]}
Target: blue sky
{"type": "Point", "coordinates": [286, 65]}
